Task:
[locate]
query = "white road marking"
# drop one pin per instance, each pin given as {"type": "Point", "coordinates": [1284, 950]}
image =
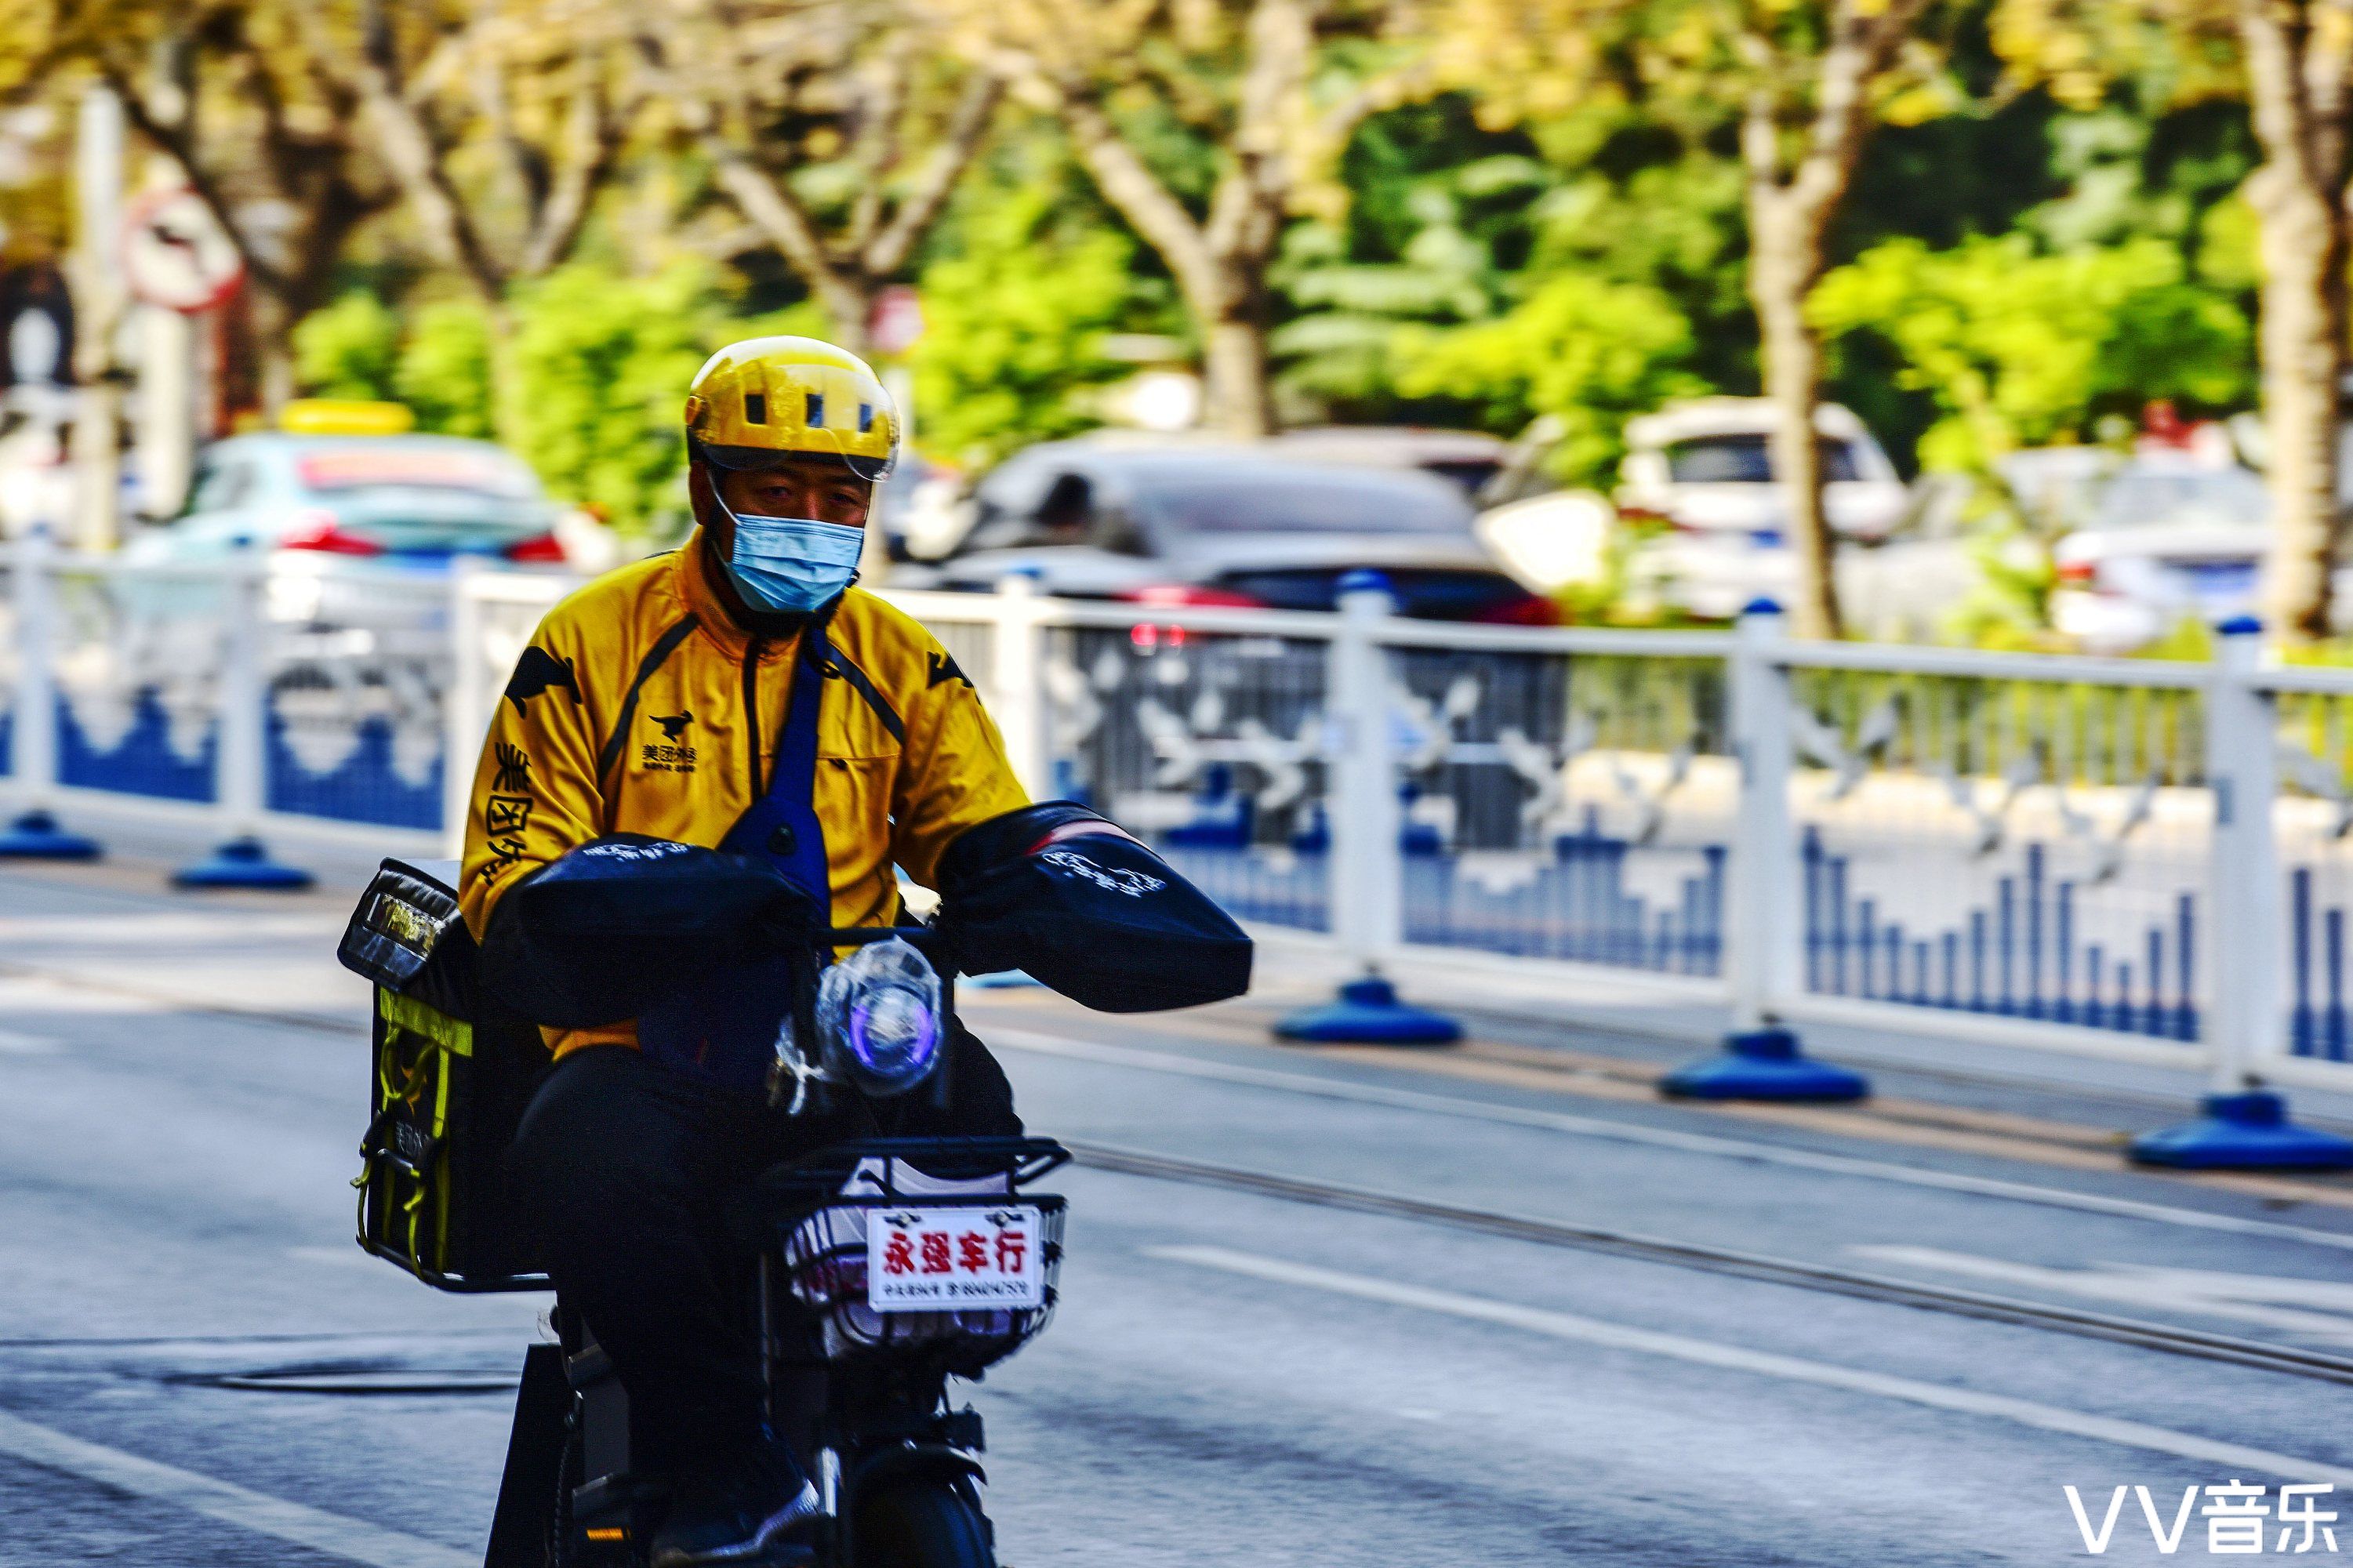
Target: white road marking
{"type": "Point", "coordinates": [2234, 1459]}
{"type": "Point", "coordinates": [335, 1534]}
{"type": "Point", "coordinates": [1654, 1137]}
{"type": "Point", "coordinates": [2274, 1303]}
{"type": "Point", "coordinates": [27, 993]}
{"type": "Point", "coordinates": [142, 929]}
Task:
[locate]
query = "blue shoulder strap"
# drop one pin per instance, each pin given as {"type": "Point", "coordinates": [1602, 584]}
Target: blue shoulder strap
{"type": "Point", "coordinates": [726, 1034]}
{"type": "Point", "coordinates": [782, 826]}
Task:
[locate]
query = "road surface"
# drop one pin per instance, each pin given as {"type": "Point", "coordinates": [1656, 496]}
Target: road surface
{"type": "Point", "coordinates": [1492, 1307]}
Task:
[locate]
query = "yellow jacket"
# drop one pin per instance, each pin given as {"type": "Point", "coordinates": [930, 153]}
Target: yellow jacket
{"type": "Point", "coordinates": [640, 707]}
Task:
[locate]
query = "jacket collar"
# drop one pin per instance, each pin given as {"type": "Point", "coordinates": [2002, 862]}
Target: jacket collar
{"type": "Point", "coordinates": [702, 596]}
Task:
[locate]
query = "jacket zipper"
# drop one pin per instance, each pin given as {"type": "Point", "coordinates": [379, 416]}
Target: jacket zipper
{"type": "Point", "coordinates": [752, 713]}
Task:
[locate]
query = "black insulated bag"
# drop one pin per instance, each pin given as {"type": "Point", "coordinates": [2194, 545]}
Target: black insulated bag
{"type": "Point", "coordinates": [1083, 907]}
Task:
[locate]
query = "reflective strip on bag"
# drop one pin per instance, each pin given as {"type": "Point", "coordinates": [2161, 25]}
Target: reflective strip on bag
{"type": "Point", "coordinates": [452, 1035]}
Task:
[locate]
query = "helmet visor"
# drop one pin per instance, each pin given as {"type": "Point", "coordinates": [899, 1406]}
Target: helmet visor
{"type": "Point", "coordinates": [755, 460]}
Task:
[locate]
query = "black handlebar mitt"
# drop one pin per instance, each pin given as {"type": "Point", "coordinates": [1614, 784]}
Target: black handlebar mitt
{"type": "Point", "coordinates": [618, 923]}
{"type": "Point", "coordinates": [1083, 907]}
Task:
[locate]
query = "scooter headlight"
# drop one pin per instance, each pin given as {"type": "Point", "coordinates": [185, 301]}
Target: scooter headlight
{"type": "Point", "coordinates": [880, 1011]}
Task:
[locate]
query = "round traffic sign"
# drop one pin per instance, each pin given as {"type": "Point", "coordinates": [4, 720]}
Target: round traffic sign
{"type": "Point", "coordinates": [175, 254]}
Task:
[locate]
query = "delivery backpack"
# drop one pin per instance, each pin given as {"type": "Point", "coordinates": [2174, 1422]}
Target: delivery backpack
{"type": "Point", "coordinates": [452, 1072]}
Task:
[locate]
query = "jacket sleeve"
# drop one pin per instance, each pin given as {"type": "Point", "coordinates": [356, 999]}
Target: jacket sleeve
{"type": "Point", "coordinates": [954, 773]}
{"type": "Point", "coordinates": [535, 789]}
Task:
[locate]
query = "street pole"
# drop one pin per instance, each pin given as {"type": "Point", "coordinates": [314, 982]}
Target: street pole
{"type": "Point", "coordinates": [241, 776]}
{"type": "Point", "coordinates": [1017, 697]}
{"type": "Point", "coordinates": [2243, 1125]}
{"type": "Point", "coordinates": [1764, 954]}
{"type": "Point", "coordinates": [1366, 872]}
{"type": "Point", "coordinates": [34, 833]}
{"type": "Point", "coordinates": [97, 310]}
{"type": "Point", "coordinates": [167, 408]}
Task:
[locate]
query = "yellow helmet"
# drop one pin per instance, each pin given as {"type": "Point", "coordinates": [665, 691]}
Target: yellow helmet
{"type": "Point", "coordinates": [757, 401]}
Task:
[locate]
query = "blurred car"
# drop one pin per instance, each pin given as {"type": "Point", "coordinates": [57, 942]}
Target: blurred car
{"type": "Point", "coordinates": [2165, 540]}
{"type": "Point", "coordinates": [1703, 469]}
{"type": "Point", "coordinates": [915, 509]}
{"type": "Point", "coordinates": [404, 500]}
{"type": "Point", "coordinates": [1471, 458]}
{"type": "Point", "coordinates": [1561, 539]}
{"type": "Point", "coordinates": [357, 528]}
{"type": "Point", "coordinates": [1706, 468]}
{"type": "Point", "coordinates": [1901, 588]}
{"type": "Point", "coordinates": [1207, 523]}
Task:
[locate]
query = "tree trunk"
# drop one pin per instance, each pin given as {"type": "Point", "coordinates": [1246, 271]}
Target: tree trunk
{"type": "Point", "coordinates": [849, 304]}
{"type": "Point", "coordinates": [273, 354]}
{"type": "Point", "coordinates": [2304, 254]}
{"type": "Point", "coordinates": [1785, 259]}
{"type": "Point", "coordinates": [1235, 394]}
{"type": "Point", "coordinates": [506, 378]}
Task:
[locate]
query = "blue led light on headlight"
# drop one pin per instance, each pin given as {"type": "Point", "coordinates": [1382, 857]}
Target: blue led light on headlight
{"type": "Point", "coordinates": [879, 1013]}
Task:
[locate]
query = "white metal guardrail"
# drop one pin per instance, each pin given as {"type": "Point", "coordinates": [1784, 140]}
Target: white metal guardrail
{"type": "Point", "coordinates": [2120, 858]}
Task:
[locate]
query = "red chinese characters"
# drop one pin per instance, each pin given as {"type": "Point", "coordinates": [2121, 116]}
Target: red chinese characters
{"type": "Point", "coordinates": [936, 1258]}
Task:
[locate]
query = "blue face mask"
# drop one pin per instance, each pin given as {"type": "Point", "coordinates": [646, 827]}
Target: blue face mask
{"type": "Point", "coordinates": [792, 565]}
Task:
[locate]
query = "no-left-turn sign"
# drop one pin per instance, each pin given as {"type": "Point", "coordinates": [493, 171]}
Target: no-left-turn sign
{"type": "Point", "coordinates": [175, 255]}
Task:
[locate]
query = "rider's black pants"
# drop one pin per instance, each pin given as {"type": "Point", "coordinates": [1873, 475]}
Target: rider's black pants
{"type": "Point", "coordinates": [622, 1163]}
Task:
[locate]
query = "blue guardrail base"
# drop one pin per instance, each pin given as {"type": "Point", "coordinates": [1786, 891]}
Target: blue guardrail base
{"type": "Point", "coordinates": [241, 863]}
{"type": "Point", "coordinates": [2246, 1131]}
{"type": "Point", "coordinates": [35, 835]}
{"type": "Point", "coordinates": [1369, 1013]}
{"type": "Point", "coordinates": [1763, 1064]}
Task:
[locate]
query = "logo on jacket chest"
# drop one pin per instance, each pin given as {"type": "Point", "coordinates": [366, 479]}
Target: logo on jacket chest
{"type": "Point", "coordinates": [668, 748]}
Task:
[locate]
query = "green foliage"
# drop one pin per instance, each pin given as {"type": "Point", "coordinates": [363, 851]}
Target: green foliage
{"type": "Point", "coordinates": [1436, 224]}
{"type": "Point", "coordinates": [1339, 356]}
{"type": "Point", "coordinates": [1590, 353]}
{"type": "Point", "coordinates": [2017, 349]}
{"type": "Point", "coordinates": [2015, 277]}
{"type": "Point", "coordinates": [1016, 307]}
{"type": "Point", "coordinates": [348, 349]}
{"type": "Point", "coordinates": [1587, 268]}
{"type": "Point", "coordinates": [2008, 607]}
{"type": "Point", "coordinates": [599, 363]}
{"type": "Point", "coordinates": [444, 372]}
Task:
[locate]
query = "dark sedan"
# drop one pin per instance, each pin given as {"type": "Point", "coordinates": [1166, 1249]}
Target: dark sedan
{"type": "Point", "coordinates": [1108, 518]}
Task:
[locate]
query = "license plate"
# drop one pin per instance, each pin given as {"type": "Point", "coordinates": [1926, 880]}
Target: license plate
{"type": "Point", "coordinates": [934, 1260]}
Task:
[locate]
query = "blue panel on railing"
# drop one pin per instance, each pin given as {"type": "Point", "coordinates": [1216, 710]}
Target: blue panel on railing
{"type": "Point", "coordinates": [143, 762]}
{"type": "Point", "coordinates": [1577, 907]}
{"type": "Point", "coordinates": [7, 742]}
{"type": "Point", "coordinates": [363, 787]}
{"type": "Point", "coordinates": [2017, 956]}
{"type": "Point", "coordinates": [2317, 1022]}
{"type": "Point", "coordinates": [1278, 887]}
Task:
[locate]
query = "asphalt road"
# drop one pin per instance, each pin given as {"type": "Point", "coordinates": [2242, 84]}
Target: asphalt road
{"type": "Point", "coordinates": [1234, 1377]}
